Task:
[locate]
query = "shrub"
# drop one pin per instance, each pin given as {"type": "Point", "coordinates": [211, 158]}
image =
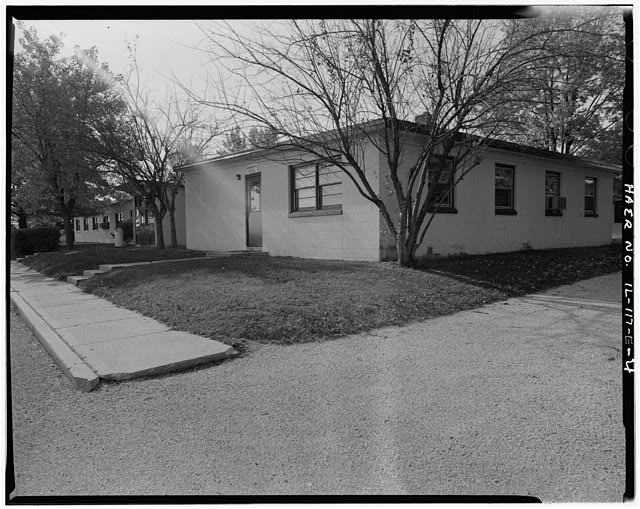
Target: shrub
{"type": "Point", "coordinates": [146, 235]}
{"type": "Point", "coordinates": [33, 240]}
{"type": "Point", "coordinates": [127, 230]}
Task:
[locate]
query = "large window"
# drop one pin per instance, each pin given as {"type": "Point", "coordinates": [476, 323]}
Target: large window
{"type": "Point", "coordinates": [316, 186]}
{"type": "Point", "coordinates": [77, 225]}
{"type": "Point", "coordinates": [94, 222]}
{"type": "Point", "coordinates": [443, 195]}
{"type": "Point", "coordinates": [504, 188]}
{"type": "Point", "coordinates": [552, 194]}
{"type": "Point", "coordinates": [590, 188]}
{"type": "Point", "coordinates": [85, 224]}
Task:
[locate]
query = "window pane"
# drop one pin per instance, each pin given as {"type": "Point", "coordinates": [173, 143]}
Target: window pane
{"type": "Point", "coordinates": [309, 192]}
{"type": "Point", "coordinates": [306, 203]}
{"type": "Point", "coordinates": [503, 198]}
{"type": "Point", "coordinates": [589, 186]}
{"type": "Point", "coordinates": [442, 187]}
{"type": "Point", "coordinates": [504, 177]}
{"type": "Point", "coordinates": [552, 184]}
{"type": "Point", "coordinates": [305, 177]}
{"type": "Point", "coordinates": [590, 195]}
{"type": "Point", "coordinates": [331, 196]}
{"type": "Point", "coordinates": [445, 175]}
{"type": "Point", "coordinates": [440, 191]}
{"type": "Point", "coordinates": [254, 197]}
{"type": "Point", "coordinates": [589, 204]}
{"type": "Point", "coordinates": [329, 175]}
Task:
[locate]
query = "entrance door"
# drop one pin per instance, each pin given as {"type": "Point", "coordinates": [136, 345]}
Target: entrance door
{"type": "Point", "coordinates": [254, 214]}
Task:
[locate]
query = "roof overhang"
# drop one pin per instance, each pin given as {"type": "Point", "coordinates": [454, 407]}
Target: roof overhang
{"type": "Point", "coordinates": [421, 128]}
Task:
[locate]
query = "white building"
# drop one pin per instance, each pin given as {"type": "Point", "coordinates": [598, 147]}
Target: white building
{"type": "Point", "coordinates": [100, 228]}
{"type": "Point", "coordinates": [516, 198]}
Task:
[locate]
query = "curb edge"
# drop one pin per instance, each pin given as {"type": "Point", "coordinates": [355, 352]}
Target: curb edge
{"type": "Point", "coordinates": [79, 372]}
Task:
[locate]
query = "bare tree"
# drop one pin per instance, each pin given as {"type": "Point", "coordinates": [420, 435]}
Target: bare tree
{"type": "Point", "coordinates": [331, 88]}
{"type": "Point", "coordinates": [148, 142]}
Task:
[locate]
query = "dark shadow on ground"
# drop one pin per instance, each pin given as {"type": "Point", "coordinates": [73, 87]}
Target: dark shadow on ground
{"type": "Point", "coordinates": [522, 272]}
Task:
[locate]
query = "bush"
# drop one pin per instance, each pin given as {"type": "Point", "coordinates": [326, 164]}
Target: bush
{"type": "Point", "coordinates": [146, 235]}
{"type": "Point", "coordinates": [127, 230]}
{"type": "Point", "coordinates": [33, 240]}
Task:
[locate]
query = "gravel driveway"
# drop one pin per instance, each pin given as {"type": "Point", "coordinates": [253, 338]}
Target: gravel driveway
{"type": "Point", "coordinates": [518, 398]}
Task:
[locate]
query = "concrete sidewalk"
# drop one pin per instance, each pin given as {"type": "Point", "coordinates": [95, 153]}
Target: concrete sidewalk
{"type": "Point", "coordinates": [92, 339]}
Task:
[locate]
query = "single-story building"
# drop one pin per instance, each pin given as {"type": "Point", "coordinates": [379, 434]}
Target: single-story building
{"type": "Point", "coordinates": [516, 198]}
{"type": "Point", "coordinates": [100, 227]}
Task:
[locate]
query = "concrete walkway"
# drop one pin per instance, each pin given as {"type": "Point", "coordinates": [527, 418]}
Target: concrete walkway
{"type": "Point", "coordinates": [521, 397]}
{"type": "Point", "coordinates": [92, 339]}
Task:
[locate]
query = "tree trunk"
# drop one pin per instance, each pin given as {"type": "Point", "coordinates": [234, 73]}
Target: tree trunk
{"type": "Point", "coordinates": [405, 256]}
{"type": "Point", "coordinates": [172, 219]}
{"type": "Point", "coordinates": [159, 234]}
{"type": "Point", "coordinates": [158, 226]}
{"type": "Point", "coordinates": [69, 233]}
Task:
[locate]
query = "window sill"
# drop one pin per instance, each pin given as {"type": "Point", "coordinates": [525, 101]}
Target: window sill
{"type": "Point", "coordinates": [444, 210]}
{"type": "Point", "coordinates": [551, 212]}
{"type": "Point", "coordinates": [506, 212]}
{"type": "Point", "coordinates": [590, 214]}
{"type": "Point", "coordinates": [310, 213]}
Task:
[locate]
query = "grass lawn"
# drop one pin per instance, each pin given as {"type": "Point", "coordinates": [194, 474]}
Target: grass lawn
{"type": "Point", "coordinates": [525, 272]}
{"type": "Point", "coordinates": [62, 263]}
{"type": "Point", "coordinates": [285, 300]}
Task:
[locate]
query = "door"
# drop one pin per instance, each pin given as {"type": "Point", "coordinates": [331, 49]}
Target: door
{"type": "Point", "coordinates": [254, 214]}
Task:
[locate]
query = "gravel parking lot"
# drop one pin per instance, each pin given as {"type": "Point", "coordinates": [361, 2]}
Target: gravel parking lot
{"type": "Point", "coordinates": [518, 398]}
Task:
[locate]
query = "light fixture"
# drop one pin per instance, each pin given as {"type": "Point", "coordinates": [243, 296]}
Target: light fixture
{"type": "Point", "coordinates": [238, 176]}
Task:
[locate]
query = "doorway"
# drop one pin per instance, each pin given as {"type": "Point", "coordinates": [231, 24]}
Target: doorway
{"type": "Point", "coordinates": [254, 211]}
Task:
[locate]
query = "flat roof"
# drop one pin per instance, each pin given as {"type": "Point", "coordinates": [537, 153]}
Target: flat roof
{"type": "Point", "coordinates": [417, 127]}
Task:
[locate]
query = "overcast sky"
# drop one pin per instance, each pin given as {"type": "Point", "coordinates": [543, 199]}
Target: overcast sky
{"type": "Point", "coordinates": [163, 46]}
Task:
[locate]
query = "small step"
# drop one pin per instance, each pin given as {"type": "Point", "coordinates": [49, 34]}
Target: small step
{"type": "Point", "coordinates": [76, 279]}
{"type": "Point", "coordinates": [93, 272]}
{"type": "Point", "coordinates": [248, 252]}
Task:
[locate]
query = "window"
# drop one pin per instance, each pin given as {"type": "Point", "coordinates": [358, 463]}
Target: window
{"type": "Point", "coordinates": [94, 223]}
{"type": "Point", "coordinates": [254, 197]}
{"type": "Point", "coordinates": [317, 186]}
{"type": "Point", "coordinates": [444, 189]}
{"type": "Point", "coordinates": [552, 193]}
{"type": "Point", "coordinates": [105, 223]}
{"type": "Point", "coordinates": [77, 225]}
{"type": "Point", "coordinates": [85, 223]}
{"type": "Point", "coordinates": [118, 218]}
{"type": "Point", "coordinates": [590, 191]}
{"type": "Point", "coordinates": [504, 188]}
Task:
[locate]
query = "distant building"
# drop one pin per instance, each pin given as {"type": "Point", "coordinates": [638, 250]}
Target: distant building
{"type": "Point", "coordinates": [100, 227]}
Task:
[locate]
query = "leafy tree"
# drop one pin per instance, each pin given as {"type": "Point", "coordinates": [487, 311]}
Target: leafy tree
{"type": "Point", "coordinates": [573, 103]}
{"type": "Point", "coordinates": [328, 89]}
{"type": "Point", "coordinates": [55, 100]}
{"type": "Point", "coordinates": [234, 141]}
{"type": "Point", "coordinates": [28, 192]}
{"type": "Point", "coordinates": [257, 137]}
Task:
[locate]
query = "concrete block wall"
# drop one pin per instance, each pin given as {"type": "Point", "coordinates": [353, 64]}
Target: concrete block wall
{"type": "Point", "coordinates": [476, 228]}
{"type": "Point", "coordinates": [216, 214]}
